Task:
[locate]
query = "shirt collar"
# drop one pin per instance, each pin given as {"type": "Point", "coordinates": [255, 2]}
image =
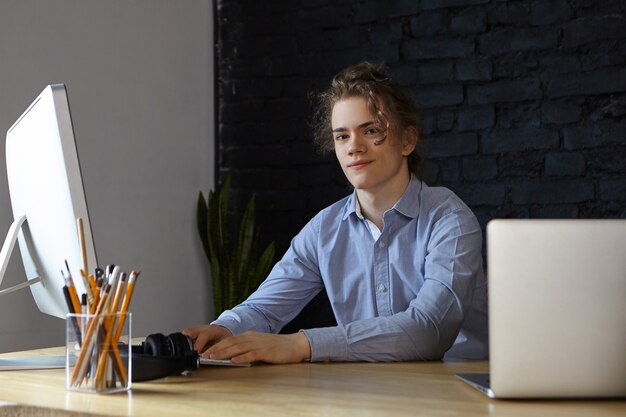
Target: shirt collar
{"type": "Point", "coordinates": [408, 204]}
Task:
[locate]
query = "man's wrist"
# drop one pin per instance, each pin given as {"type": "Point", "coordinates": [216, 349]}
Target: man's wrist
{"type": "Point", "coordinates": [225, 330]}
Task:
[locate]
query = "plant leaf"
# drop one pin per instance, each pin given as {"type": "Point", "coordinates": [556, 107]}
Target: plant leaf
{"type": "Point", "coordinates": [236, 268]}
{"type": "Point", "coordinates": [244, 254]}
{"type": "Point", "coordinates": [201, 216]}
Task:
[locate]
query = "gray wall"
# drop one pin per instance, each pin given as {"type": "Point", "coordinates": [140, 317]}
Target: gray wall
{"type": "Point", "coordinates": [139, 76]}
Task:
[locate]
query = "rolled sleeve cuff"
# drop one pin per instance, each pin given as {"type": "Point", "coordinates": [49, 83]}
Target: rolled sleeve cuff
{"type": "Point", "coordinates": [327, 344]}
{"type": "Point", "coordinates": [231, 321]}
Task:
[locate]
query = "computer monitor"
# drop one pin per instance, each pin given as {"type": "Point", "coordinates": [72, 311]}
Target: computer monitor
{"type": "Point", "coordinates": [47, 198]}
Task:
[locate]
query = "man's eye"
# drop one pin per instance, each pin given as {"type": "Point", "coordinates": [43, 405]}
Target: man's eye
{"type": "Point", "coordinates": [341, 136]}
{"type": "Point", "coordinates": [372, 131]}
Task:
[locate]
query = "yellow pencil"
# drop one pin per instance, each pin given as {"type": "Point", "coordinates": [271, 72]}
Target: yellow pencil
{"type": "Point", "coordinates": [83, 247]}
{"type": "Point", "coordinates": [84, 272]}
{"type": "Point", "coordinates": [80, 368]}
{"type": "Point", "coordinates": [129, 293]}
{"type": "Point", "coordinates": [109, 342]}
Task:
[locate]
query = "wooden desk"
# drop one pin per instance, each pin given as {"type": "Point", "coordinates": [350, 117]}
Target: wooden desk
{"type": "Point", "coordinates": [327, 389]}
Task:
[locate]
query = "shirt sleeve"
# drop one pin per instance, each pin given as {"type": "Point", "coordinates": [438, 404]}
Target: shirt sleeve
{"type": "Point", "coordinates": [430, 324]}
{"type": "Point", "coordinates": [291, 284]}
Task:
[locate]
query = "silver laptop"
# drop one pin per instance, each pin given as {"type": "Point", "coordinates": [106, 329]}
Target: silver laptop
{"type": "Point", "coordinates": [557, 309]}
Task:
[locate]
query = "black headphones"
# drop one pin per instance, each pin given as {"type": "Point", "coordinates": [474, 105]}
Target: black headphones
{"type": "Point", "coordinates": [160, 356]}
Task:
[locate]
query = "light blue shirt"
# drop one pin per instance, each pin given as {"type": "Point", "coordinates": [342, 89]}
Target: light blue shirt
{"type": "Point", "coordinates": [416, 292]}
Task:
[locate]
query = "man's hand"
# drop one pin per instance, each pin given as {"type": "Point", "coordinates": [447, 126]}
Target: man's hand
{"type": "Point", "coordinates": [206, 335]}
{"type": "Point", "coordinates": [262, 347]}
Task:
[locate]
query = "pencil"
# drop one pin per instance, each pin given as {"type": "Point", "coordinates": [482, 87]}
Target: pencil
{"type": "Point", "coordinates": [80, 368]}
{"type": "Point", "coordinates": [109, 326]}
{"type": "Point", "coordinates": [115, 293]}
{"type": "Point", "coordinates": [84, 272]}
{"type": "Point", "coordinates": [117, 280]}
{"type": "Point", "coordinates": [96, 296]}
{"type": "Point", "coordinates": [92, 285]}
{"type": "Point", "coordinates": [129, 293]}
{"type": "Point", "coordinates": [83, 246]}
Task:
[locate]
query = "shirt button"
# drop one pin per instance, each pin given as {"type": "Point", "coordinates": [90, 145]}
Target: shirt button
{"type": "Point", "coordinates": [381, 288]}
{"type": "Point", "coordinates": [381, 244]}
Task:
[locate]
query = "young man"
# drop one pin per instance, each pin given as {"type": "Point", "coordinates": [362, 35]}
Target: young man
{"type": "Point", "coordinates": [401, 261]}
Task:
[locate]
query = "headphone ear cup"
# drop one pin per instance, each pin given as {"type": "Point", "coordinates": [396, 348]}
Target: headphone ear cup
{"type": "Point", "coordinates": [181, 344]}
{"type": "Point", "coordinates": [156, 345]}
{"type": "Point", "coordinates": [160, 356]}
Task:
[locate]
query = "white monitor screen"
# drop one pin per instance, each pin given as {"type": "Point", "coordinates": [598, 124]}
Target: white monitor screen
{"type": "Point", "coordinates": [46, 186]}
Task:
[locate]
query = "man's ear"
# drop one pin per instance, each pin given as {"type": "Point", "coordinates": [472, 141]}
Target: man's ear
{"type": "Point", "coordinates": [409, 140]}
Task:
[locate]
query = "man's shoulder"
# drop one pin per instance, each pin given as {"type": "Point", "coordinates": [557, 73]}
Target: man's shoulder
{"type": "Point", "coordinates": [439, 196]}
{"type": "Point", "coordinates": [441, 201]}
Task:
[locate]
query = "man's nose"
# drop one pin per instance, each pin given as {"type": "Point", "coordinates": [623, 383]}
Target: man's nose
{"type": "Point", "coordinates": [357, 144]}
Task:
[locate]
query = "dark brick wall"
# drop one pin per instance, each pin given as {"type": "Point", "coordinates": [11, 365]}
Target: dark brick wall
{"type": "Point", "coordinates": [524, 102]}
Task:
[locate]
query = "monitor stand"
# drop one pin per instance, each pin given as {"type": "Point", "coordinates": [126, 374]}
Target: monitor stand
{"type": "Point", "coordinates": [5, 255]}
{"type": "Point", "coordinates": [15, 363]}
{"type": "Point", "coordinates": [22, 362]}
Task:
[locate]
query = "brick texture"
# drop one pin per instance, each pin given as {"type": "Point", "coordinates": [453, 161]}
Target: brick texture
{"type": "Point", "coordinates": [524, 101]}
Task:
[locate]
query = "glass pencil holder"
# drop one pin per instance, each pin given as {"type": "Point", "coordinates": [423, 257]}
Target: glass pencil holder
{"type": "Point", "coordinates": [98, 352]}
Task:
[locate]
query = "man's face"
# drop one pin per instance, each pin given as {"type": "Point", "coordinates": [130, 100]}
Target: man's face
{"type": "Point", "coordinates": [371, 156]}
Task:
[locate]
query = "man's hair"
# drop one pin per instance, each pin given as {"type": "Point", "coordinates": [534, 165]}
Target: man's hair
{"type": "Point", "coordinates": [389, 103]}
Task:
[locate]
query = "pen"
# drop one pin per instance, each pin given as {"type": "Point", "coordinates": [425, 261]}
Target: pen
{"type": "Point", "coordinates": [98, 274]}
{"type": "Point", "coordinates": [70, 307]}
{"type": "Point", "coordinates": [83, 310]}
{"type": "Point", "coordinates": [69, 283]}
{"type": "Point", "coordinates": [101, 334]}
{"type": "Point", "coordinates": [83, 304]}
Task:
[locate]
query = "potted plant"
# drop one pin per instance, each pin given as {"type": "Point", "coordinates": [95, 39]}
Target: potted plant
{"type": "Point", "coordinates": [237, 269]}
